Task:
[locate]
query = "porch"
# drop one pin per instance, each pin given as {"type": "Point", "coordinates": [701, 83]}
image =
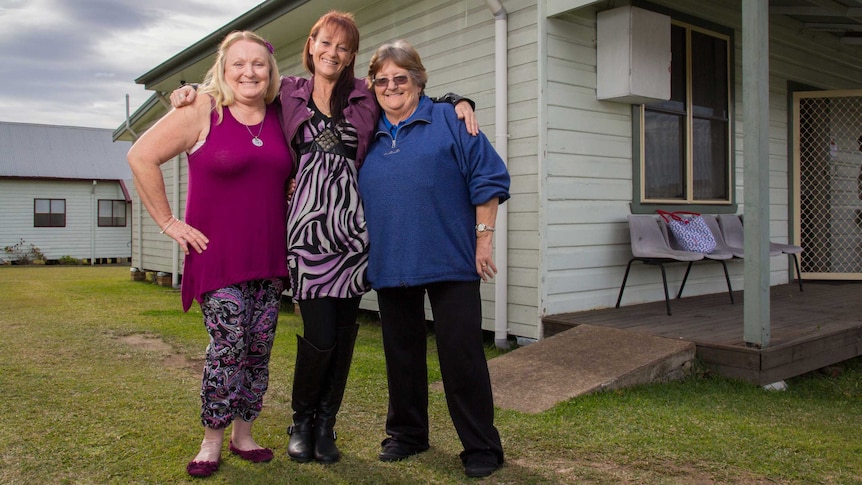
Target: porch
{"type": "Point", "coordinates": [811, 329]}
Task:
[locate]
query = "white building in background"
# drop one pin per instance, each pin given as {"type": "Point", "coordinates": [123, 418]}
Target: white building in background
{"type": "Point", "coordinates": [63, 189]}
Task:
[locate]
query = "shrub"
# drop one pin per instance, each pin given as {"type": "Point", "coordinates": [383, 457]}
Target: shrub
{"type": "Point", "coordinates": [24, 253]}
{"type": "Point", "coordinates": [68, 260]}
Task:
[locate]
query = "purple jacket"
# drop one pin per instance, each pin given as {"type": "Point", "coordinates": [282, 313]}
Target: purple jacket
{"type": "Point", "coordinates": [362, 111]}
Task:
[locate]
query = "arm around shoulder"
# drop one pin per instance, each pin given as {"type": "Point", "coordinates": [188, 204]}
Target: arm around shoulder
{"type": "Point", "coordinates": [174, 133]}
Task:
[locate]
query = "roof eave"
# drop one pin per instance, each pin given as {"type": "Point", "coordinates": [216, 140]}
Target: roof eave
{"type": "Point", "coordinates": [251, 20]}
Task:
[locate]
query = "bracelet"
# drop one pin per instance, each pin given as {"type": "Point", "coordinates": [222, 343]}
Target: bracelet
{"type": "Point", "coordinates": [173, 219]}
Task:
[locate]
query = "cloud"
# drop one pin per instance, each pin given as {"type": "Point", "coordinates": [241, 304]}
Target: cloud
{"type": "Point", "coordinates": [73, 62]}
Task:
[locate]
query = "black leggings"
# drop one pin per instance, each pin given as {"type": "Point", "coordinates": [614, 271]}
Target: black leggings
{"type": "Point", "coordinates": [321, 317]}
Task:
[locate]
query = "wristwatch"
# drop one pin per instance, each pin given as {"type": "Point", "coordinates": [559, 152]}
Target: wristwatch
{"type": "Point", "coordinates": [480, 228]}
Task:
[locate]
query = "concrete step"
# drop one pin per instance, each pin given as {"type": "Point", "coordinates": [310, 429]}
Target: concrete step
{"type": "Point", "coordinates": [582, 360]}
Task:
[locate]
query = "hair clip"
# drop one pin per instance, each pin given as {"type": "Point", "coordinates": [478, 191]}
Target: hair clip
{"type": "Point", "coordinates": [269, 47]}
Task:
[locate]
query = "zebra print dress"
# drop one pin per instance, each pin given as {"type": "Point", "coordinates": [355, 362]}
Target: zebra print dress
{"type": "Point", "coordinates": [327, 241]}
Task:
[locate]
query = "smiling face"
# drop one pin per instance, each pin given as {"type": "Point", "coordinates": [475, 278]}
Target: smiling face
{"type": "Point", "coordinates": [397, 101]}
{"type": "Point", "coordinates": [246, 71]}
{"type": "Point", "coordinates": [330, 52]}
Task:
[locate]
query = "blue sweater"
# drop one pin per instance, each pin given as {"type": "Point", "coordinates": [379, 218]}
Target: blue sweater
{"type": "Point", "coordinates": [420, 189]}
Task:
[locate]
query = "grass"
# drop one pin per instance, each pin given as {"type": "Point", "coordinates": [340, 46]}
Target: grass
{"type": "Point", "coordinates": [100, 377]}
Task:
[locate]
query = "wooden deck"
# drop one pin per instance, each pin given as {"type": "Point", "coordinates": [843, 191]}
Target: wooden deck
{"type": "Point", "coordinates": [817, 327]}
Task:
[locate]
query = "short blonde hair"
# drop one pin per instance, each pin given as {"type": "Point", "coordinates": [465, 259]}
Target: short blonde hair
{"type": "Point", "coordinates": [215, 84]}
{"type": "Point", "coordinates": [403, 55]}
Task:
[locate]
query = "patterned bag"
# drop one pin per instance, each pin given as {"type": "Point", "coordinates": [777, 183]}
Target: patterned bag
{"type": "Point", "coordinates": [691, 233]}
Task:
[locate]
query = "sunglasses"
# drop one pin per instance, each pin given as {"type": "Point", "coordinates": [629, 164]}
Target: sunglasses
{"type": "Point", "coordinates": [382, 82]}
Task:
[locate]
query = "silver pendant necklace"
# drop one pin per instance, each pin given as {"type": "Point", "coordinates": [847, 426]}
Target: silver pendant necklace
{"type": "Point", "coordinates": [255, 140]}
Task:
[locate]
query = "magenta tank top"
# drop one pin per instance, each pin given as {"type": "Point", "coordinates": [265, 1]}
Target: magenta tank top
{"type": "Point", "coordinates": [236, 198]}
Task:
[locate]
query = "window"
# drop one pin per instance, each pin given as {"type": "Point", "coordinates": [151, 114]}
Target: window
{"type": "Point", "coordinates": [112, 213]}
{"type": "Point", "coordinates": [49, 212]}
{"type": "Point", "coordinates": [686, 141]}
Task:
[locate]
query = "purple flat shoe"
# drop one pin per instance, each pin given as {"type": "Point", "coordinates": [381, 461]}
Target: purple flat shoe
{"type": "Point", "coordinates": [255, 456]}
{"type": "Point", "coordinates": [202, 468]}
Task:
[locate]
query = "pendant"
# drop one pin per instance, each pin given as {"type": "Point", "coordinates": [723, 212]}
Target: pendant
{"type": "Point", "coordinates": [257, 142]}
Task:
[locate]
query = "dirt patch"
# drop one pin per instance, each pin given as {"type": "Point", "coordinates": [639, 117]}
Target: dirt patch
{"type": "Point", "coordinates": [147, 342]}
{"type": "Point", "coordinates": [156, 345]}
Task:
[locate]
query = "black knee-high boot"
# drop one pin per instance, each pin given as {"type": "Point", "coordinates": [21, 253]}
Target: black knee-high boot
{"type": "Point", "coordinates": [309, 373]}
{"type": "Point", "coordinates": [325, 450]}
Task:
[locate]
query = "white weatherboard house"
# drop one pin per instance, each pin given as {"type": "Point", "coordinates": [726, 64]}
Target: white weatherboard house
{"type": "Point", "coordinates": [63, 190]}
{"type": "Point", "coordinates": [606, 108]}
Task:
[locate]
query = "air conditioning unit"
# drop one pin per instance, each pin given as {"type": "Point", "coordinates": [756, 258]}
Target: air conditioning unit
{"type": "Point", "coordinates": [633, 56]}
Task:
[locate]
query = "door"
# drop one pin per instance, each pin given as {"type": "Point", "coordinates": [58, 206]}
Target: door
{"type": "Point", "coordinates": [828, 183]}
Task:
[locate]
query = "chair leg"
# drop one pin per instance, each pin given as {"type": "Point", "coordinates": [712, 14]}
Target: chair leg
{"type": "Point", "coordinates": [684, 279]}
{"type": "Point", "coordinates": [798, 273]}
{"type": "Point", "coordinates": [727, 278]}
{"type": "Point", "coordinates": [626, 277]}
{"type": "Point", "coordinates": [664, 282]}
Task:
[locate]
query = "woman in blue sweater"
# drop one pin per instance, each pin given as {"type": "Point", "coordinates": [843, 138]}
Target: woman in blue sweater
{"type": "Point", "coordinates": [431, 192]}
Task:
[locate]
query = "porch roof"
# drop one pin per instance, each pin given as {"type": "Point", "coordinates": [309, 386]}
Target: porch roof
{"type": "Point", "coordinates": [842, 18]}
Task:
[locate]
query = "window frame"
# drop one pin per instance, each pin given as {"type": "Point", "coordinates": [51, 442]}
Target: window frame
{"type": "Point", "coordinates": [639, 203]}
{"type": "Point", "coordinates": [114, 204]}
{"type": "Point", "coordinates": [50, 214]}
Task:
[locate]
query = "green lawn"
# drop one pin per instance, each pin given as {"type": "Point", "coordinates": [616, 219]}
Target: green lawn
{"type": "Point", "coordinates": [100, 379]}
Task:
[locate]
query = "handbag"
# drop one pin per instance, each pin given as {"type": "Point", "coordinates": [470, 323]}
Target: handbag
{"type": "Point", "coordinates": [691, 232]}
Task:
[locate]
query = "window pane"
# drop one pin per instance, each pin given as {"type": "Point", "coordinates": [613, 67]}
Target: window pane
{"type": "Point", "coordinates": [664, 149]}
{"type": "Point", "coordinates": [105, 208]}
{"type": "Point", "coordinates": [43, 206]}
{"type": "Point", "coordinates": [58, 220]}
{"type": "Point", "coordinates": [709, 76]}
{"type": "Point", "coordinates": [709, 145]}
{"type": "Point", "coordinates": [42, 220]}
{"type": "Point", "coordinates": [58, 206]}
{"type": "Point", "coordinates": [120, 213]}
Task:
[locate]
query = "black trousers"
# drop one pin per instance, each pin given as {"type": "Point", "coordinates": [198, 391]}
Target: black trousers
{"type": "Point", "coordinates": [322, 317]}
{"type": "Point", "coordinates": [457, 313]}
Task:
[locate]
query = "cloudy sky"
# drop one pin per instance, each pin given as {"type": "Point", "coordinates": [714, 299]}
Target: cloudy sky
{"type": "Point", "coordinates": [72, 62]}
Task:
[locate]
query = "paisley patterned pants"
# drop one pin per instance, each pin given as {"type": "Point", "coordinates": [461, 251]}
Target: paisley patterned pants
{"type": "Point", "coordinates": [241, 321]}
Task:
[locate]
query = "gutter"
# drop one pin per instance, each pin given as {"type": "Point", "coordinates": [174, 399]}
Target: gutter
{"type": "Point", "coordinates": [501, 141]}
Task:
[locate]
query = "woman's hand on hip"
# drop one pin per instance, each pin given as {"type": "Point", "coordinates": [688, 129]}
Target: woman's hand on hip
{"type": "Point", "coordinates": [187, 237]}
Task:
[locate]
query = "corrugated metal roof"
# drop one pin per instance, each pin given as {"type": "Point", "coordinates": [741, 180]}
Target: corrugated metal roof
{"type": "Point", "coordinates": [69, 152]}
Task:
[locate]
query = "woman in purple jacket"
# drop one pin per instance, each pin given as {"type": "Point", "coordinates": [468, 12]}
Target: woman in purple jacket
{"type": "Point", "coordinates": [328, 120]}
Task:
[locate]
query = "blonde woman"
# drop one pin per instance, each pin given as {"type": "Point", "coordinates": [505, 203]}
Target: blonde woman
{"type": "Point", "coordinates": [232, 233]}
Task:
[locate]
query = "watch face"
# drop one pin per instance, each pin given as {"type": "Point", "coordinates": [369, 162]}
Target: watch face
{"type": "Point", "coordinates": [480, 227]}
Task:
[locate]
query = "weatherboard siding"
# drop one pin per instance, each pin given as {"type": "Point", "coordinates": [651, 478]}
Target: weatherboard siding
{"type": "Point", "coordinates": [81, 238]}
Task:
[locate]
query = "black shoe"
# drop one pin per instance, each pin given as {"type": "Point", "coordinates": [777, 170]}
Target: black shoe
{"type": "Point", "coordinates": [481, 467]}
{"type": "Point", "coordinates": [325, 450]}
{"type": "Point", "coordinates": [397, 451]}
{"type": "Point", "coordinates": [300, 448]}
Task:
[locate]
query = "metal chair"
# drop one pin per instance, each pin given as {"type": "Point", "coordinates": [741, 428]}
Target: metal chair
{"type": "Point", "coordinates": [732, 229]}
{"type": "Point", "coordinates": [720, 242]}
{"type": "Point", "coordinates": [792, 250]}
{"type": "Point", "coordinates": [650, 245]}
{"type": "Point", "coordinates": [721, 253]}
